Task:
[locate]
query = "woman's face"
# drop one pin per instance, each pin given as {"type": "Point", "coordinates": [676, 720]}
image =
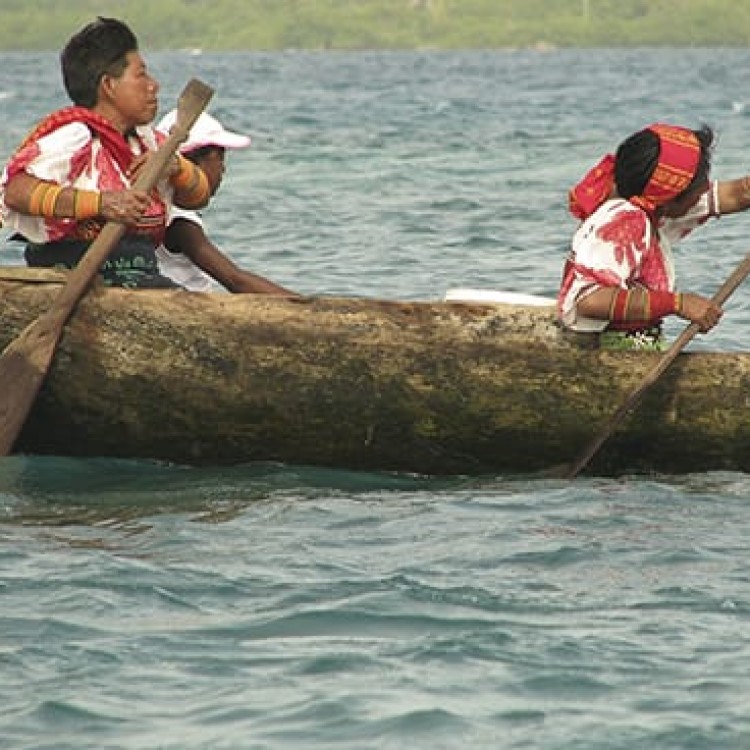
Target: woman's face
{"type": "Point", "coordinates": [131, 98]}
{"type": "Point", "coordinates": [212, 163]}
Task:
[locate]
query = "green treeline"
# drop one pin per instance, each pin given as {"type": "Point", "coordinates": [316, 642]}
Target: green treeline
{"type": "Point", "coordinates": [384, 24]}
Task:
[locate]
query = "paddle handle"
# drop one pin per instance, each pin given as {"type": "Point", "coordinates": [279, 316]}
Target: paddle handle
{"type": "Point", "coordinates": [722, 295]}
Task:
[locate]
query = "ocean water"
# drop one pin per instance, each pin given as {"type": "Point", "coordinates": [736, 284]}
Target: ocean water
{"type": "Point", "coordinates": [147, 606]}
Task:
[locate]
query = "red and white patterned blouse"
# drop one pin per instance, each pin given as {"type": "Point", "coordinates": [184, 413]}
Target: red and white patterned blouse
{"type": "Point", "coordinates": [618, 247]}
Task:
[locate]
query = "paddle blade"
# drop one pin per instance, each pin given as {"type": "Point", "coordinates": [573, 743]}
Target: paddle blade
{"type": "Point", "coordinates": [191, 102]}
{"type": "Point", "coordinates": [23, 368]}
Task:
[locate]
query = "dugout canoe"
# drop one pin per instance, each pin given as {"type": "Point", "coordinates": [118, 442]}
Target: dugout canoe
{"type": "Point", "coordinates": [427, 387]}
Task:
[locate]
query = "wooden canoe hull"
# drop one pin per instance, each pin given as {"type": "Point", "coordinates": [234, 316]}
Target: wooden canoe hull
{"type": "Point", "coordinates": [437, 388]}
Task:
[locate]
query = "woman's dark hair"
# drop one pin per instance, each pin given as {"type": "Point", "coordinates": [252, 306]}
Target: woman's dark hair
{"type": "Point", "coordinates": [97, 49]}
{"type": "Point", "coordinates": [201, 152]}
{"type": "Point", "coordinates": [637, 156]}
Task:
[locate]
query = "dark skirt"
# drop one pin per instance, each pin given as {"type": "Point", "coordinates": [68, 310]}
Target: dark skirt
{"type": "Point", "coordinates": [132, 264]}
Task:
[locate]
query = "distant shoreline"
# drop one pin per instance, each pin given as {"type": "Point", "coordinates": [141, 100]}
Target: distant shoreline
{"type": "Point", "coordinates": [393, 25]}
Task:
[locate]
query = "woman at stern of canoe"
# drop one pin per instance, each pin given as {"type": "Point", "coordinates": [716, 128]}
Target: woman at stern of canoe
{"type": "Point", "coordinates": [75, 170]}
{"type": "Point", "coordinates": [634, 205]}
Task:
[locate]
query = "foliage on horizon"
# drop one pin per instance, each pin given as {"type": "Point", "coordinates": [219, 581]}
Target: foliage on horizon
{"type": "Point", "coordinates": [385, 24]}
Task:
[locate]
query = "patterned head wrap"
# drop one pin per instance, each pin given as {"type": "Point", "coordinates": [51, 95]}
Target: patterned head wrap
{"type": "Point", "coordinates": [679, 156]}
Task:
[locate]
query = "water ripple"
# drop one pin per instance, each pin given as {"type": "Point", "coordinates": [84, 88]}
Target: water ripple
{"type": "Point", "coordinates": [268, 607]}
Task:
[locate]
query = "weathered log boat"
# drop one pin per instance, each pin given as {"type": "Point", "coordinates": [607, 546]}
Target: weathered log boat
{"type": "Point", "coordinates": [428, 387]}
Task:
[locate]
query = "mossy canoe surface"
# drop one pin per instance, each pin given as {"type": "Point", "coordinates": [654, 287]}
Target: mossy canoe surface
{"type": "Point", "coordinates": [427, 387]}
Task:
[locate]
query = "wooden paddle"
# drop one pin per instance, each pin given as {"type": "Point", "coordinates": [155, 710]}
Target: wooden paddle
{"type": "Point", "coordinates": [726, 290]}
{"type": "Point", "coordinates": [25, 361]}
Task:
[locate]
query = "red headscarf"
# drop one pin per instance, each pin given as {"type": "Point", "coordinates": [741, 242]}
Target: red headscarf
{"type": "Point", "coordinates": [679, 155]}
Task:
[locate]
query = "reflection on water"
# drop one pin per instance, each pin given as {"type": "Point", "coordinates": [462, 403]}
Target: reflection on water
{"type": "Point", "coordinates": [58, 491]}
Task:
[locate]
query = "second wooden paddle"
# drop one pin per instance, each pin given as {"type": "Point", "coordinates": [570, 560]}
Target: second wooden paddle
{"type": "Point", "coordinates": [726, 290]}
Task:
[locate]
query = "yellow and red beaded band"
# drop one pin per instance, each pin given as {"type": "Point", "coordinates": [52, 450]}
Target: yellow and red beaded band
{"type": "Point", "coordinates": [44, 198]}
{"type": "Point", "coordinates": [87, 204]}
{"type": "Point", "coordinates": [192, 183]}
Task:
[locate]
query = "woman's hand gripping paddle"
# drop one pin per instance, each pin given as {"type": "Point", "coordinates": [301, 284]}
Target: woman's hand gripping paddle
{"type": "Point", "coordinates": [726, 290]}
{"type": "Point", "coordinates": [26, 360]}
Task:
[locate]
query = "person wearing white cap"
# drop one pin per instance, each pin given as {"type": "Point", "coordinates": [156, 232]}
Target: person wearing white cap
{"type": "Point", "coordinates": [187, 256]}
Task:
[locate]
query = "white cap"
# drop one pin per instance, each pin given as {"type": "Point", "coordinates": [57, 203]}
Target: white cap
{"type": "Point", "coordinates": [206, 131]}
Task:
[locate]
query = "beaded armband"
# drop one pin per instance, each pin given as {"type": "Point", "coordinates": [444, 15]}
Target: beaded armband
{"type": "Point", "coordinates": [647, 305]}
{"type": "Point", "coordinates": [192, 184]}
{"type": "Point", "coordinates": [45, 196]}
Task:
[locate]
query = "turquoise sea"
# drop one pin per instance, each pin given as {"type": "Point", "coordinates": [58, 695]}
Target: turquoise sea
{"type": "Point", "coordinates": [269, 607]}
